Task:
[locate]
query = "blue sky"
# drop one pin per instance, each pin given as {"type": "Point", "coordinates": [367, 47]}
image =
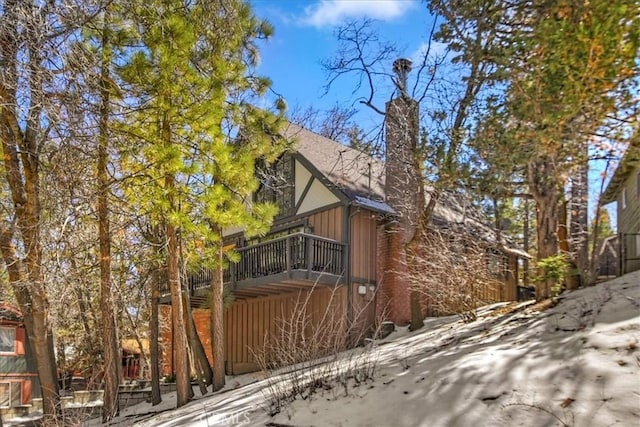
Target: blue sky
{"type": "Point", "coordinates": [304, 36]}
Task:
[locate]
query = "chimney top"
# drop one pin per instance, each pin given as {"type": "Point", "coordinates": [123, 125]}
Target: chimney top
{"type": "Point", "coordinates": [402, 67]}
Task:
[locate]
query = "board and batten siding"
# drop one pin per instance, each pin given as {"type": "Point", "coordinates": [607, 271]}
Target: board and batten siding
{"type": "Point", "coordinates": [251, 323]}
{"type": "Point", "coordinates": [364, 226]}
{"type": "Point", "coordinates": [629, 216]}
{"type": "Point", "coordinates": [629, 222]}
{"type": "Point", "coordinates": [328, 223]}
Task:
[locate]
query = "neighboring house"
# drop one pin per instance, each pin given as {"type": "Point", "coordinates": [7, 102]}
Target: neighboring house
{"type": "Point", "coordinates": [19, 381]}
{"type": "Point", "coordinates": [330, 238]}
{"type": "Point", "coordinates": [133, 366]}
{"type": "Point", "coordinates": [624, 188]}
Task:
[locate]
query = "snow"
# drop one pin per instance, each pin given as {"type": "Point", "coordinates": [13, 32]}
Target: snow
{"type": "Point", "coordinates": [574, 364]}
{"type": "Point", "coordinates": [372, 204]}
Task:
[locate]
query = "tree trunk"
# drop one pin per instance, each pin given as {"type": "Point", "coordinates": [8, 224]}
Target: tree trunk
{"type": "Point", "coordinates": [180, 341]}
{"type": "Point", "coordinates": [579, 224]}
{"type": "Point", "coordinates": [217, 319]}
{"type": "Point", "coordinates": [110, 345]}
{"type": "Point", "coordinates": [34, 323]}
{"type": "Point", "coordinates": [413, 266]}
{"type": "Point", "coordinates": [182, 368]}
{"type": "Point", "coordinates": [546, 192]}
{"type": "Point", "coordinates": [21, 170]}
{"type": "Point", "coordinates": [525, 244]}
{"type": "Point", "coordinates": [154, 337]}
{"type": "Point", "coordinates": [198, 355]}
{"type": "Point", "coordinates": [417, 318]}
{"type": "Point", "coordinates": [570, 279]}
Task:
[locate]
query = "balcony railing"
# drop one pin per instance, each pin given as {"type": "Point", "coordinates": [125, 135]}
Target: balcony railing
{"type": "Point", "coordinates": [306, 255]}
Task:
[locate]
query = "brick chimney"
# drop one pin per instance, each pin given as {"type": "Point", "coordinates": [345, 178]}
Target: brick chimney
{"type": "Point", "coordinates": [401, 184]}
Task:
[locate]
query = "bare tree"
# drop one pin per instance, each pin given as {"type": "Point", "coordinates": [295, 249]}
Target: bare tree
{"type": "Point", "coordinates": [362, 53]}
{"type": "Point", "coordinates": [32, 36]}
{"type": "Point", "coordinates": [461, 274]}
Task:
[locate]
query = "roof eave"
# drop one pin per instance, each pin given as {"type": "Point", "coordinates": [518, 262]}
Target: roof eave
{"type": "Point", "coordinates": [629, 162]}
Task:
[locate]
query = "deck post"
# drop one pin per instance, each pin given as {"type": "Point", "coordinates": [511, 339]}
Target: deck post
{"type": "Point", "coordinates": [288, 244]}
{"type": "Point", "coordinates": [233, 267]}
{"type": "Point", "coordinates": [309, 241]}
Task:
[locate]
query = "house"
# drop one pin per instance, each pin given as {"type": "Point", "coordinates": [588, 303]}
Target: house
{"type": "Point", "coordinates": [19, 382]}
{"type": "Point", "coordinates": [133, 362]}
{"type": "Point", "coordinates": [328, 243]}
{"type": "Point", "coordinates": [624, 188]}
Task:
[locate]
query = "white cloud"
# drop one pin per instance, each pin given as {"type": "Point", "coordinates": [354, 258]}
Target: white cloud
{"type": "Point", "coordinates": [332, 12]}
{"type": "Point", "coordinates": [437, 50]}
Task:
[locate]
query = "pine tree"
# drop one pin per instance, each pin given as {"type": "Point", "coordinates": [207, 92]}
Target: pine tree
{"type": "Point", "coordinates": [568, 67]}
{"type": "Point", "coordinates": [197, 139]}
{"type": "Point", "coordinates": [574, 71]}
{"type": "Point", "coordinates": [110, 342]}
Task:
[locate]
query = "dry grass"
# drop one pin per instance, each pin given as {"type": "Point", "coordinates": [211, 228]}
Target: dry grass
{"type": "Point", "coordinates": [457, 276]}
{"type": "Point", "coordinates": [307, 356]}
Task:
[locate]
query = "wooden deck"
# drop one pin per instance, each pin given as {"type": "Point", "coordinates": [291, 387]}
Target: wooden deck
{"type": "Point", "coordinates": [292, 262]}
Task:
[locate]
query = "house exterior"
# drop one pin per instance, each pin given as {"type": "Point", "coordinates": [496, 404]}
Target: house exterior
{"type": "Point", "coordinates": [133, 367]}
{"type": "Point", "coordinates": [624, 189]}
{"type": "Point", "coordinates": [324, 239]}
{"type": "Point", "coordinates": [328, 246]}
{"type": "Point", "coordinates": [19, 382]}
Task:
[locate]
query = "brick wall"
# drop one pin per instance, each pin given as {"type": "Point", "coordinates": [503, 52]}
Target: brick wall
{"type": "Point", "coordinates": [393, 299]}
{"type": "Point", "coordinates": [401, 185]}
{"type": "Point", "coordinates": [166, 342]}
{"type": "Point", "coordinates": [202, 320]}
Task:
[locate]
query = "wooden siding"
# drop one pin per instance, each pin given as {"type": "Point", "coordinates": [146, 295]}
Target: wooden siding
{"type": "Point", "coordinates": [629, 217]}
{"type": "Point", "coordinates": [248, 323]}
{"type": "Point", "coordinates": [504, 289]}
{"type": "Point", "coordinates": [511, 284]}
{"type": "Point", "coordinates": [18, 368]}
{"type": "Point", "coordinates": [328, 223]}
{"type": "Point", "coordinates": [629, 223]}
{"type": "Point", "coordinates": [363, 246]}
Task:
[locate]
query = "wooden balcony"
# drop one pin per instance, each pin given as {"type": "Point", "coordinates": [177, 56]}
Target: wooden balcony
{"type": "Point", "coordinates": [293, 262]}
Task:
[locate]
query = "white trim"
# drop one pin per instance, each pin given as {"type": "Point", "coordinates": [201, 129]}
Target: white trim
{"type": "Point", "coordinates": [12, 329]}
{"type": "Point", "coordinates": [12, 386]}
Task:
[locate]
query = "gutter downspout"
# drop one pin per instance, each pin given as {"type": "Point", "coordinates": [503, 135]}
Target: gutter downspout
{"type": "Point", "coordinates": [347, 228]}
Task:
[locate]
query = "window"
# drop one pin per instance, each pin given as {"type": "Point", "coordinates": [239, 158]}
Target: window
{"type": "Point", "coordinates": [278, 184]}
{"type": "Point", "coordinates": [5, 395]}
{"type": "Point", "coordinates": [10, 394]}
{"type": "Point", "coordinates": [496, 263]}
{"type": "Point", "coordinates": [623, 198]}
{"type": "Point", "coordinates": [7, 340]}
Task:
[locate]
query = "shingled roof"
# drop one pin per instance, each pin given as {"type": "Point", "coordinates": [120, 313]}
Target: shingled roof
{"type": "Point", "coordinates": [360, 177]}
{"type": "Point", "coordinates": [357, 175]}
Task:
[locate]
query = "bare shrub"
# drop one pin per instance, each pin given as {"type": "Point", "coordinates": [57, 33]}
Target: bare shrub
{"type": "Point", "coordinates": [458, 275]}
{"type": "Point", "coordinates": [306, 355]}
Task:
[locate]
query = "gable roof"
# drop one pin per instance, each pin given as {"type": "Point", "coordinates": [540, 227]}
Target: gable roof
{"type": "Point", "coordinates": [629, 163]}
{"type": "Point", "coordinates": [360, 178]}
{"type": "Point", "coordinates": [357, 175]}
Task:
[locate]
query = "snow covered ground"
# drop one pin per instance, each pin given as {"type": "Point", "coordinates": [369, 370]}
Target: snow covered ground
{"type": "Point", "coordinates": [574, 364]}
